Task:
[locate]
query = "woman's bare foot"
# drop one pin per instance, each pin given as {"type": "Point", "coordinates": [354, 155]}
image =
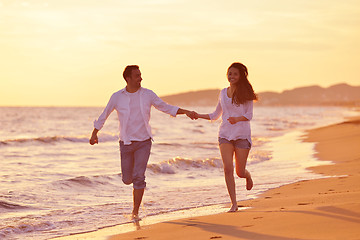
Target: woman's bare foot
{"type": "Point", "coordinates": [233, 208]}
{"type": "Point", "coordinates": [249, 183]}
{"type": "Point", "coordinates": [135, 217]}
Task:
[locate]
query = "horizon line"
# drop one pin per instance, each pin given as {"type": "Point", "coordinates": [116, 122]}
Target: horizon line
{"type": "Point", "coordinates": [209, 89]}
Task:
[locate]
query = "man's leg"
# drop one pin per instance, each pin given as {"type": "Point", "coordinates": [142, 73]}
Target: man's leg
{"type": "Point", "coordinates": [141, 157]}
{"type": "Point", "coordinates": [127, 162]}
{"type": "Point", "coordinates": [137, 194]}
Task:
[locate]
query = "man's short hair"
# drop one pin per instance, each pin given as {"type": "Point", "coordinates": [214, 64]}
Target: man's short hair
{"type": "Point", "coordinates": [128, 70]}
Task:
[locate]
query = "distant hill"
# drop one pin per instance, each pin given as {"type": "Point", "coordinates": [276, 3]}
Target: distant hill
{"type": "Point", "coordinates": [336, 95]}
{"type": "Point", "coordinates": [196, 98]}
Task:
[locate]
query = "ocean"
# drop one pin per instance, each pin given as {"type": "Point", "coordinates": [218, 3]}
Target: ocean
{"type": "Point", "coordinates": [54, 183]}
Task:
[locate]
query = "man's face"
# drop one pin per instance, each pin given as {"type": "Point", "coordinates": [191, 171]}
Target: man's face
{"type": "Point", "coordinates": [135, 79]}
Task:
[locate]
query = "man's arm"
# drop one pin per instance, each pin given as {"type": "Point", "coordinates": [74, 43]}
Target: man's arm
{"type": "Point", "coordinates": [159, 104]}
{"type": "Point", "coordinates": [99, 123]}
{"type": "Point", "coordinates": [94, 138]}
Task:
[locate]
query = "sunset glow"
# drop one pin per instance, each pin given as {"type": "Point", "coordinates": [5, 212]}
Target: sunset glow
{"type": "Point", "coordinates": [72, 53]}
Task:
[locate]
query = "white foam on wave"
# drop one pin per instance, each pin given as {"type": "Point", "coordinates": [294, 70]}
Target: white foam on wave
{"type": "Point", "coordinates": [89, 181]}
{"type": "Point", "coordinates": [25, 227]}
{"type": "Point", "coordinates": [172, 165]}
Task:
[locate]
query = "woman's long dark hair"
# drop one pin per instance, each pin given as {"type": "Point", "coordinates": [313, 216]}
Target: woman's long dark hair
{"type": "Point", "coordinates": [243, 91]}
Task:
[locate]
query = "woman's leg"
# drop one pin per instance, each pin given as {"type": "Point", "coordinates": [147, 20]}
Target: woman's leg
{"type": "Point", "coordinates": [227, 154]}
{"type": "Point", "coordinates": [241, 156]}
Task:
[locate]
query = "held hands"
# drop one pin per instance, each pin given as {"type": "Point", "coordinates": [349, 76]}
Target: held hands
{"type": "Point", "coordinates": [192, 114]}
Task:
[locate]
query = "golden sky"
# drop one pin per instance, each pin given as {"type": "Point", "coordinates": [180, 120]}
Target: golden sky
{"type": "Point", "coordinates": [73, 52]}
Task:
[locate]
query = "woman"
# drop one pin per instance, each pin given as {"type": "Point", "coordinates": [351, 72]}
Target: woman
{"type": "Point", "coordinates": [236, 107]}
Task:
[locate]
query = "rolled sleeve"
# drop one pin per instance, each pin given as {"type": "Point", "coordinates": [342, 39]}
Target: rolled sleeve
{"type": "Point", "coordinates": [248, 107]}
{"type": "Point", "coordinates": [160, 105]}
{"type": "Point", "coordinates": [217, 113]}
{"type": "Point", "coordinates": [99, 123]}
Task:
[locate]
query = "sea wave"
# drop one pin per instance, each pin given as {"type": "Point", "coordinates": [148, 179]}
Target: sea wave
{"type": "Point", "coordinates": [173, 165]}
{"type": "Point", "coordinates": [170, 166]}
{"type": "Point", "coordinates": [81, 182]}
{"type": "Point", "coordinates": [258, 156]}
{"type": "Point", "coordinates": [53, 139]}
{"type": "Point", "coordinates": [8, 232]}
{"type": "Point", "coordinates": [198, 144]}
{"type": "Point", "coordinates": [11, 206]}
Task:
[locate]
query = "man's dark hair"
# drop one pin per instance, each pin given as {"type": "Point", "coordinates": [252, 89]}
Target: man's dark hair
{"type": "Point", "coordinates": [128, 70]}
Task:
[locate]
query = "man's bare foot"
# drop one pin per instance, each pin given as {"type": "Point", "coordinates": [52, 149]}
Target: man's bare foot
{"type": "Point", "coordinates": [233, 208]}
{"type": "Point", "coordinates": [249, 183]}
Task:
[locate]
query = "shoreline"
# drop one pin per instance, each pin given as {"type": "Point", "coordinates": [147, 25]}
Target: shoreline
{"type": "Point", "coordinates": [283, 206]}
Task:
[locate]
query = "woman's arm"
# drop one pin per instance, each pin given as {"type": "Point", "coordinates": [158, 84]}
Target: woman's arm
{"type": "Point", "coordinates": [214, 115]}
{"type": "Point", "coordinates": [234, 120]}
{"type": "Point", "coordinates": [248, 106]}
{"type": "Point", "coordinates": [203, 116]}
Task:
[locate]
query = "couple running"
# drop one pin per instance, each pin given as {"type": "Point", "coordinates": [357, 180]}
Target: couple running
{"type": "Point", "coordinates": [133, 105]}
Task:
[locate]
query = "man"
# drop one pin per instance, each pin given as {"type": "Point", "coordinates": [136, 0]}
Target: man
{"type": "Point", "coordinates": [133, 104]}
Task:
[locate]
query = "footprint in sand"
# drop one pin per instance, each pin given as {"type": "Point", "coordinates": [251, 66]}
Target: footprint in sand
{"type": "Point", "coordinates": [258, 217]}
{"type": "Point", "coordinates": [190, 224]}
{"type": "Point", "coordinates": [303, 204]}
{"type": "Point", "coordinates": [246, 226]}
{"type": "Point", "coordinates": [214, 237]}
{"type": "Point", "coordinates": [140, 238]}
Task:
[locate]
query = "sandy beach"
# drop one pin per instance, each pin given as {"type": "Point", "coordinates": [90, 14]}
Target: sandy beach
{"type": "Point", "coordinates": [327, 208]}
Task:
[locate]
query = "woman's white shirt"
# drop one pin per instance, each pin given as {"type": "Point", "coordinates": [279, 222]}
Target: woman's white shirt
{"type": "Point", "coordinates": [225, 108]}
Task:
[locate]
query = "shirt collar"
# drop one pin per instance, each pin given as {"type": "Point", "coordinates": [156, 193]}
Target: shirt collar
{"type": "Point", "coordinates": [124, 90]}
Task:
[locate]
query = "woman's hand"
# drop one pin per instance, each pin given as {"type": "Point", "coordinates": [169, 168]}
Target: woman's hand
{"type": "Point", "coordinates": [233, 120]}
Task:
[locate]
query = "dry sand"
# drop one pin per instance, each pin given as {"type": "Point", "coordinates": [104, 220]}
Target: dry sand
{"type": "Point", "coordinates": [327, 208]}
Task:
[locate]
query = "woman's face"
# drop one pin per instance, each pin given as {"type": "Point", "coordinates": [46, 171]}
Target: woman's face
{"type": "Point", "coordinates": [233, 75]}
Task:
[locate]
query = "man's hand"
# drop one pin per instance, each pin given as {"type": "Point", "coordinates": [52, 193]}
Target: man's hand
{"type": "Point", "coordinates": [94, 138]}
